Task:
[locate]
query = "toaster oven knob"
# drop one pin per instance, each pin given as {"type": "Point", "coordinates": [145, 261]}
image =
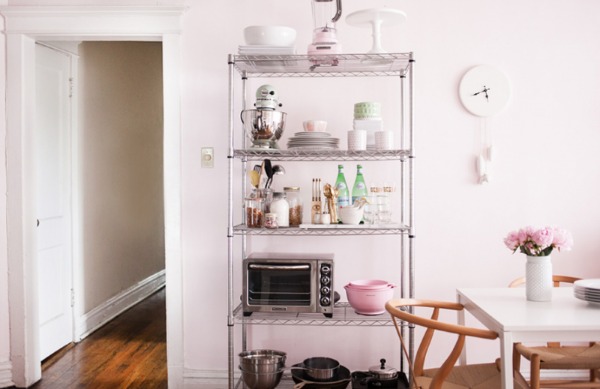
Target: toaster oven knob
{"type": "Point", "coordinates": [325, 290]}
{"type": "Point", "coordinates": [325, 270]}
{"type": "Point", "coordinates": [325, 301]}
{"type": "Point", "coordinates": [325, 280]}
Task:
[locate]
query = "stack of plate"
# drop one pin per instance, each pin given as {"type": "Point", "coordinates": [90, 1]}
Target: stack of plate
{"type": "Point", "coordinates": [266, 50]}
{"type": "Point", "coordinates": [588, 290]}
{"type": "Point", "coordinates": [313, 141]}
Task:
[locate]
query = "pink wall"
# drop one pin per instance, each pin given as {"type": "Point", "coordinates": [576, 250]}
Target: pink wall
{"type": "Point", "coordinates": [545, 169]}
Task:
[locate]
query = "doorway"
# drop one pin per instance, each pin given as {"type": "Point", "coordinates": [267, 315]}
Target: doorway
{"type": "Point", "coordinates": [115, 89]}
{"type": "Point", "coordinates": [25, 26]}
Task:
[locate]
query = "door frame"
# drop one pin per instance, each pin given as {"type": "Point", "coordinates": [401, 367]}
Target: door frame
{"type": "Point", "coordinates": [24, 25]}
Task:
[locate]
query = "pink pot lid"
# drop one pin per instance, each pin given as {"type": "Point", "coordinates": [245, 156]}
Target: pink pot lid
{"type": "Point", "coordinates": [370, 284]}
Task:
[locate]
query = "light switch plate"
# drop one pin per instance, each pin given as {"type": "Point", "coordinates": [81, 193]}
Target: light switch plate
{"type": "Point", "coordinates": [208, 157]}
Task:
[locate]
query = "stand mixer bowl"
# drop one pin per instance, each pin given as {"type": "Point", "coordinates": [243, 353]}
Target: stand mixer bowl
{"type": "Point", "coordinates": [263, 127]}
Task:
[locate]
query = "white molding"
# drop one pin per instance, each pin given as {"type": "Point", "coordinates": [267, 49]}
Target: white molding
{"type": "Point", "coordinates": [207, 379]}
{"type": "Point", "coordinates": [6, 374]}
{"type": "Point", "coordinates": [108, 310]}
{"type": "Point", "coordinates": [151, 22]}
{"type": "Point", "coordinates": [23, 26]}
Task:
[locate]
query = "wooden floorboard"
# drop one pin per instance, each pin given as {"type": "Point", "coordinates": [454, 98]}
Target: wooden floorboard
{"type": "Point", "coordinates": [128, 352]}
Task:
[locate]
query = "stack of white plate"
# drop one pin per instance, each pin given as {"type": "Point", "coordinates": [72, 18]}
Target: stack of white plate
{"type": "Point", "coordinates": [266, 50]}
{"type": "Point", "coordinates": [313, 141]}
{"type": "Point", "coordinates": [588, 290]}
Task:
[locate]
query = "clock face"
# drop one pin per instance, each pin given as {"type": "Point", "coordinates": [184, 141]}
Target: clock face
{"type": "Point", "coordinates": [484, 90]}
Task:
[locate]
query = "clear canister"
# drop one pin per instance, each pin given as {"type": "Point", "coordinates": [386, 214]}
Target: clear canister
{"type": "Point", "coordinates": [295, 202]}
{"type": "Point", "coordinates": [254, 212]}
{"type": "Point", "coordinates": [281, 208]}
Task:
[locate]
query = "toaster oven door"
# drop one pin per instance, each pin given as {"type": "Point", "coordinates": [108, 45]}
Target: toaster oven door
{"type": "Point", "coordinates": [279, 284]}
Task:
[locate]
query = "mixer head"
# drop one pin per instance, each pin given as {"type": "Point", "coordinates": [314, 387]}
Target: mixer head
{"type": "Point", "coordinates": [266, 98]}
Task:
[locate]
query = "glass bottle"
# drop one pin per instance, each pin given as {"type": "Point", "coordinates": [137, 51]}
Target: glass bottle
{"type": "Point", "coordinates": [340, 184]}
{"type": "Point", "coordinates": [359, 190]}
{"type": "Point", "coordinates": [295, 202]}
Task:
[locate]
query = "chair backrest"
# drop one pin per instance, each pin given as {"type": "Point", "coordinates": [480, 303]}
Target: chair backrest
{"type": "Point", "coordinates": [401, 309]}
{"type": "Point", "coordinates": [556, 280]}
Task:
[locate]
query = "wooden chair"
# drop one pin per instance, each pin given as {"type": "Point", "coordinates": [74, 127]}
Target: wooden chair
{"type": "Point", "coordinates": [557, 357]}
{"type": "Point", "coordinates": [448, 376]}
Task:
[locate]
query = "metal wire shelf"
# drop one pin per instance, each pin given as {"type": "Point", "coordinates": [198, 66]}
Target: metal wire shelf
{"type": "Point", "coordinates": [331, 65]}
{"type": "Point", "coordinates": [335, 230]}
{"type": "Point", "coordinates": [322, 155]}
{"type": "Point", "coordinates": [343, 315]}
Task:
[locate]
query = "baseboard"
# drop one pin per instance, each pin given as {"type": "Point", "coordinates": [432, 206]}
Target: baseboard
{"type": "Point", "coordinates": [206, 379]}
{"type": "Point", "coordinates": [6, 375]}
{"type": "Point", "coordinates": [111, 308]}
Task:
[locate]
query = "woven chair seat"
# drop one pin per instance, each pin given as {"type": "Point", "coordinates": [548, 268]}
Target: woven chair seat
{"type": "Point", "coordinates": [474, 376]}
{"type": "Point", "coordinates": [564, 357]}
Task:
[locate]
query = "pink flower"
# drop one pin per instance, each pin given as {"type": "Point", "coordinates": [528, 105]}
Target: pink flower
{"type": "Point", "coordinates": [538, 241]}
{"type": "Point", "coordinates": [543, 237]}
{"type": "Point", "coordinates": [563, 240]}
{"type": "Point", "coordinates": [512, 240]}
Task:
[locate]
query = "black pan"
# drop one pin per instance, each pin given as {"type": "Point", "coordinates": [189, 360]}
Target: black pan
{"type": "Point", "coordinates": [339, 381]}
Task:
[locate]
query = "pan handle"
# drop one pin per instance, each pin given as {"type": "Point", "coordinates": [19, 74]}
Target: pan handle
{"type": "Point", "coordinates": [299, 385]}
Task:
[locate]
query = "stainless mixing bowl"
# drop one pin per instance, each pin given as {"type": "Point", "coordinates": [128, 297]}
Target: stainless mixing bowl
{"type": "Point", "coordinates": [263, 126]}
{"type": "Point", "coordinates": [262, 369]}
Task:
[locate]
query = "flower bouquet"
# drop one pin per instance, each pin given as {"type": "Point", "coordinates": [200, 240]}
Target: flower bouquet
{"type": "Point", "coordinates": [537, 244]}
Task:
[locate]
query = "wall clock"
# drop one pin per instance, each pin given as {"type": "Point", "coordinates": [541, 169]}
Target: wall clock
{"type": "Point", "coordinates": [484, 90]}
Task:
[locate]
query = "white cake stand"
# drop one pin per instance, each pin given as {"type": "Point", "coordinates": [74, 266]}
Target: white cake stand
{"type": "Point", "coordinates": [376, 18]}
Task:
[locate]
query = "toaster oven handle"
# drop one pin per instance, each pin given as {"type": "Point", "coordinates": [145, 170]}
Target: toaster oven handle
{"type": "Point", "coordinates": [255, 266]}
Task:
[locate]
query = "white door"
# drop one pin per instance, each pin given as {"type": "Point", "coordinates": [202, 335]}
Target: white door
{"type": "Point", "coordinates": [52, 150]}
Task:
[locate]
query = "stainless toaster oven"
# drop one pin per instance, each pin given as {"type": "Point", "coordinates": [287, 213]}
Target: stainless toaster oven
{"type": "Point", "coordinates": [284, 282]}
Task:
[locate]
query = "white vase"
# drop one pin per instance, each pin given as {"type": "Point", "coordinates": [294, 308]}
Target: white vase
{"type": "Point", "coordinates": [538, 278]}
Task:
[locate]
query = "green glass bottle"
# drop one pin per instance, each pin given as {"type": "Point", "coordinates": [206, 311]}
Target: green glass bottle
{"type": "Point", "coordinates": [359, 190]}
{"type": "Point", "coordinates": [343, 192]}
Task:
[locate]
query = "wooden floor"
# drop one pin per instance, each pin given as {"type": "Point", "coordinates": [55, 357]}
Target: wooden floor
{"type": "Point", "coordinates": [128, 352]}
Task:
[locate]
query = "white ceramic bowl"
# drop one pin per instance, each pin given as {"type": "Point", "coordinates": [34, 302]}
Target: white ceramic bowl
{"type": "Point", "coordinates": [270, 36]}
{"type": "Point", "coordinates": [350, 214]}
{"type": "Point", "coordinates": [369, 301]}
{"type": "Point", "coordinates": [314, 125]}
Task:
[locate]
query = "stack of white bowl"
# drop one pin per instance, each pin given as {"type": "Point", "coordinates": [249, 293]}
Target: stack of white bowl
{"type": "Point", "coordinates": [268, 40]}
{"type": "Point", "coordinates": [367, 117]}
{"type": "Point", "coordinates": [368, 297]}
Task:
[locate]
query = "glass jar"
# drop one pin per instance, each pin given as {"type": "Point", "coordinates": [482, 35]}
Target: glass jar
{"type": "Point", "coordinates": [254, 207]}
{"type": "Point", "coordinates": [266, 194]}
{"type": "Point", "coordinates": [295, 202]}
{"type": "Point", "coordinates": [281, 208]}
{"type": "Point", "coordinates": [270, 220]}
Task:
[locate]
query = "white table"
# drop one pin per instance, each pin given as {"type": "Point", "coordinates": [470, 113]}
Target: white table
{"type": "Point", "coordinates": [507, 311]}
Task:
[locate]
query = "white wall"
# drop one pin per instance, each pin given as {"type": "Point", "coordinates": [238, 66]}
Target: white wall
{"type": "Point", "coordinates": [121, 150]}
{"type": "Point", "coordinates": [545, 169]}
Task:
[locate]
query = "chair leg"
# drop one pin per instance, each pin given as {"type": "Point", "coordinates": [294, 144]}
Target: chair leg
{"type": "Point", "coordinates": [516, 359]}
{"type": "Point", "coordinates": [535, 371]}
